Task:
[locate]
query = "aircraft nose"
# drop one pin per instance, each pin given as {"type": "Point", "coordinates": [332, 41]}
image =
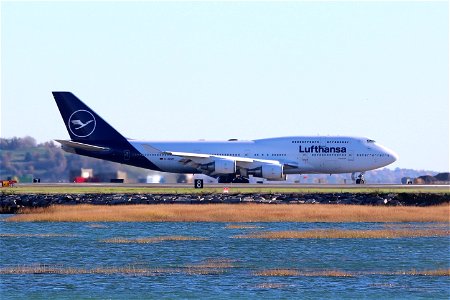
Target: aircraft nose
{"type": "Point", "coordinates": [389, 155]}
{"type": "Point", "coordinates": [392, 156]}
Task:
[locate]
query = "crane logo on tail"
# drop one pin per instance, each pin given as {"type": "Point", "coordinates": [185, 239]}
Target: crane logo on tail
{"type": "Point", "coordinates": [82, 123]}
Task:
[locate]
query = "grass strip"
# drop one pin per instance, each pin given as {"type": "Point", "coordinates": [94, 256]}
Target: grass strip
{"type": "Point", "coordinates": [130, 189]}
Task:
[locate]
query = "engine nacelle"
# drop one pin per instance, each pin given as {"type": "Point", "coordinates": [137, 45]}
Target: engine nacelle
{"type": "Point", "coordinates": [220, 166]}
{"type": "Point", "coordinates": [269, 171]}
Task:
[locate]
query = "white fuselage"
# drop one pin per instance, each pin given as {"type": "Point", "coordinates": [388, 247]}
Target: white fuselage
{"type": "Point", "coordinates": [304, 154]}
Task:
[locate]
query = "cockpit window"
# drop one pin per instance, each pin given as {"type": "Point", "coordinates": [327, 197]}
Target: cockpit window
{"type": "Point", "coordinates": [370, 141]}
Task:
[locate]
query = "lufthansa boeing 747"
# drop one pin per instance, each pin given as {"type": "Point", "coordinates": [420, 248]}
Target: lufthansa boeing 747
{"type": "Point", "coordinates": [229, 161]}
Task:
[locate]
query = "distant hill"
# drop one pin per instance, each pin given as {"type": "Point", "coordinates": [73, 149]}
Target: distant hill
{"type": "Point", "coordinates": [24, 158]}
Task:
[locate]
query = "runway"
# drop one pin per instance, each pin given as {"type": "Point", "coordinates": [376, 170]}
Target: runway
{"type": "Point", "coordinates": [283, 186]}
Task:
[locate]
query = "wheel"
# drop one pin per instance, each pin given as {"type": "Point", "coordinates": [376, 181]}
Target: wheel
{"type": "Point", "coordinates": [225, 179]}
{"type": "Point", "coordinates": [240, 179]}
{"type": "Point", "coordinates": [358, 181]}
{"type": "Point", "coordinates": [362, 181]}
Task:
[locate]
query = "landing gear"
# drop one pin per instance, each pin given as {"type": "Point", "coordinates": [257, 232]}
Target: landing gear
{"type": "Point", "coordinates": [232, 178]}
{"type": "Point", "coordinates": [240, 179]}
{"type": "Point", "coordinates": [226, 178]}
{"type": "Point", "coordinates": [360, 179]}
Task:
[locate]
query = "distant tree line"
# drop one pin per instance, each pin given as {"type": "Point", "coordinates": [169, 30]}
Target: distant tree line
{"type": "Point", "coordinates": [23, 156]}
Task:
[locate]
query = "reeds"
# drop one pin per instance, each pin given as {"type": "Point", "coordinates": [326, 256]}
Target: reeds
{"type": "Point", "coordinates": [46, 269]}
{"type": "Point", "coordinates": [204, 269]}
{"type": "Point", "coordinates": [209, 267]}
{"type": "Point", "coordinates": [345, 234]}
{"type": "Point", "coordinates": [292, 272]}
{"type": "Point", "coordinates": [243, 226]}
{"type": "Point", "coordinates": [233, 213]}
{"type": "Point", "coordinates": [151, 240]}
{"type": "Point", "coordinates": [277, 272]}
{"type": "Point", "coordinates": [41, 235]}
{"type": "Point", "coordinates": [442, 272]}
{"type": "Point", "coordinates": [221, 263]}
{"type": "Point", "coordinates": [337, 273]}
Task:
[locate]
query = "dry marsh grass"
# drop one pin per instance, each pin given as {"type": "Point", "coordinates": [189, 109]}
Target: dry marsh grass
{"type": "Point", "coordinates": [344, 234]}
{"type": "Point", "coordinates": [46, 269]}
{"type": "Point", "coordinates": [442, 272]}
{"type": "Point", "coordinates": [201, 270]}
{"type": "Point", "coordinates": [238, 226]}
{"type": "Point", "coordinates": [151, 240]}
{"type": "Point", "coordinates": [6, 235]}
{"type": "Point", "coordinates": [291, 272]}
{"type": "Point", "coordinates": [277, 272]}
{"type": "Point", "coordinates": [233, 213]}
{"type": "Point", "coordinates": [209, 267]}
{"type": "Point", "coordinates": [220, 263]}
{"type": "Point", "coordinates": [337, 273]}
{"type": "Point", "coordinates": [416, 226]}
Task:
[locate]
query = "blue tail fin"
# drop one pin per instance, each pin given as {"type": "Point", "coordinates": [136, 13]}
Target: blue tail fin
{"type": "Point", "coordinates": [82, 123]}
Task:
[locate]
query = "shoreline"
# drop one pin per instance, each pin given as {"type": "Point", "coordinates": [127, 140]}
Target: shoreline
{"type": "Point", "coordinates": [13, 203]}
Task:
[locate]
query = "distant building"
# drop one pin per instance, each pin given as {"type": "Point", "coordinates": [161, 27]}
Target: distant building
{"type": "Point", "coordinates": [88, 175]}
{"type": "Point", "coordinates": [441, 178]}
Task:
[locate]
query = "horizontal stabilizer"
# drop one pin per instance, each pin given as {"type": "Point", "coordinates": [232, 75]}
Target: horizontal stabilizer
{"type": "Point", "coordinates": [77, 145]}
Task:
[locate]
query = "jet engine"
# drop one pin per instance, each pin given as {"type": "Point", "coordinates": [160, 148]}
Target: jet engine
{"type": "Point", "coordinates": [220, 166]}
{"type": "Point", "coordinates": [269, 171]}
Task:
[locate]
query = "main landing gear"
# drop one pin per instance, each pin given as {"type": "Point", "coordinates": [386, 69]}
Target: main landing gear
{"type": "Point", "coordinates": [360, 179]}
{"type": "Point", "coordinates": [232, 178]}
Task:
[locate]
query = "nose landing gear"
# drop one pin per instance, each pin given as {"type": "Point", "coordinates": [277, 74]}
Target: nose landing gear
{"type": "Point", "coordinates": [360, 179]}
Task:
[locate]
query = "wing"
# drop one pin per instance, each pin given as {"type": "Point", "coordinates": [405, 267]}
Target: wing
{"type": "Point", "coordinates": [197, 160]}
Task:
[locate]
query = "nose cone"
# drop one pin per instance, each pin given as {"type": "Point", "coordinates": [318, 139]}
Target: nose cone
{"type": "Point", "coordinates": [391, 155]}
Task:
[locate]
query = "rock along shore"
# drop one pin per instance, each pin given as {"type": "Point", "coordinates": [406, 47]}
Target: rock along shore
{"type": "Point", "coordinates": [11, 203]}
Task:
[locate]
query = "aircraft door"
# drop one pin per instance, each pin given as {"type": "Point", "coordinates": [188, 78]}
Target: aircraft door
{"type": "Point", "coordinates": [303, 158]}
{"type": "Point", "coordinates": [350, 156]}
{"type": "Point", "coordinates": [304, 162]}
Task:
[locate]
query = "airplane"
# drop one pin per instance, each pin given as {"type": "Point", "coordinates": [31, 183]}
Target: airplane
{"type": "Point", "coordinates": [229, 161]}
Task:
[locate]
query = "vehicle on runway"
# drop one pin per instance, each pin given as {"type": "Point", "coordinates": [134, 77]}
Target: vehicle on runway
{"type": "Point", "coordinates": [230, 160]}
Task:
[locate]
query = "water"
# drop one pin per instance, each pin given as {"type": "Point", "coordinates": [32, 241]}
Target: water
{"type": "Point", "coordinates": [375, 263]}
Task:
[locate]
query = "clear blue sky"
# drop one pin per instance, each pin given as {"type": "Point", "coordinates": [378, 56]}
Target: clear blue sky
{"type": "Point", "coordinates": [215, 70]}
